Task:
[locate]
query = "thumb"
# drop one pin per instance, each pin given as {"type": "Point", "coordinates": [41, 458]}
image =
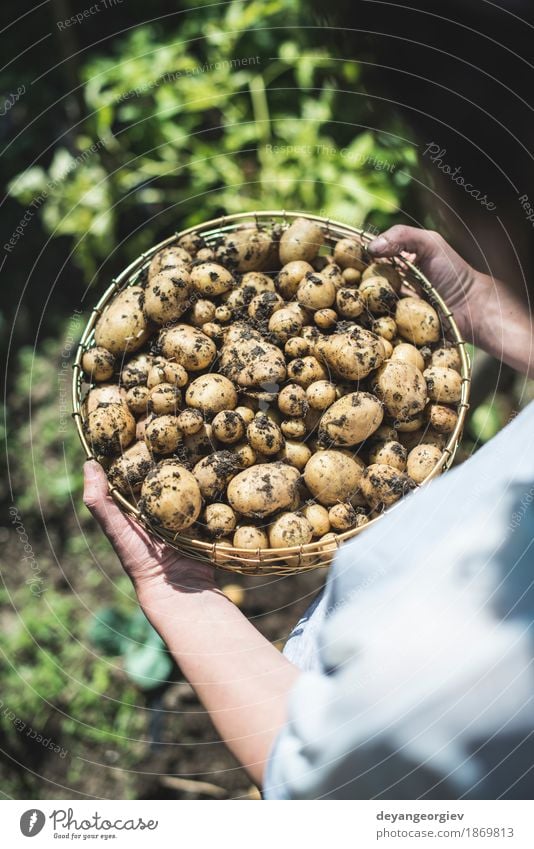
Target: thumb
{"type": "Point", "coordinates": [400, 238]}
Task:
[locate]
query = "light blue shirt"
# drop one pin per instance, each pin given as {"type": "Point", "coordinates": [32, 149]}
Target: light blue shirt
{"type": "Point", "coordinates": [418, 676]}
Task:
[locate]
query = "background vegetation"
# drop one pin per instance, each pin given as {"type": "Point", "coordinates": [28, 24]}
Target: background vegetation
{"type": "Point", "coordinates": [151, 128]}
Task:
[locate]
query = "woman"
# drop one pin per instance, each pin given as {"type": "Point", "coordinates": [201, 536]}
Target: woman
{"type": "Point", "coordinates": [410, 676]}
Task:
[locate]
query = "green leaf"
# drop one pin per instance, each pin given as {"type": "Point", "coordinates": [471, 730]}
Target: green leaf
{"type": "Point", "coordinates": [148, 666]}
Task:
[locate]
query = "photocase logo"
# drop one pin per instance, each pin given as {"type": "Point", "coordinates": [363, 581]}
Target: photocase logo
{"type": "Point", "coordinates": [32, 822]}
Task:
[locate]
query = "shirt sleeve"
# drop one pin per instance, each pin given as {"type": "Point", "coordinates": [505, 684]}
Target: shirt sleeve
{"type": "Point", "coordinates": [425, 689]}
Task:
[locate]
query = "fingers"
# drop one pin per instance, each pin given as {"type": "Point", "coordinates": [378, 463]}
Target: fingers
{"type": "Point", "coordinates": [98, 501]}
{"type": "Point", "coordinates": [410, 239]}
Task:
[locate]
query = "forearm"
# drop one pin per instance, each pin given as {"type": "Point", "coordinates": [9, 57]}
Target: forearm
{"type": "Point", "coordinates": [240, 678]}
{"type": "Point", "coordinates": [502, 325]}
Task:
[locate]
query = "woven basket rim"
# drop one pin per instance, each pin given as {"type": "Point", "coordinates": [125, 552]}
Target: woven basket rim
{"type": "Point", "coordinates": [265, 561]}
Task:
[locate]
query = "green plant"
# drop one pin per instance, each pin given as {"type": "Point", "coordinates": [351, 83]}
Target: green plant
{"type": "Point", "coordinates": [184, 128]}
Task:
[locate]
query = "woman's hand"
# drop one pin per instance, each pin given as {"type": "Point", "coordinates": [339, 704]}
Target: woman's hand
{"type": "Point", "coordinates": [158, 573]}
{"type": "Point", "coordinates": [456, 281]}
{"type": "Point", "coordinates": [241, 679]}
{"type": "Point", "coordinates": [488, 312]}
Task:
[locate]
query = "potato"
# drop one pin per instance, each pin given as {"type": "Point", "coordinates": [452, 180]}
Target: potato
{"type": "Point", "coordinates": [263, 489]}
{"type": "Point", "coordinates": [311, 335]}
{"type": "Point", "coordinates": [406, 353]}
{"type": "Point", "coordinates": [446, 358]}
{"type": "Point", "coordinates": [442, 418]}
{"type": "Point", "coordinates": [164, 398]}
{"type": "Point", "coordinates": [317, 516]}
{"type": "Point", "coordinates": [175, 374]}
{"type": "Point", "coordinates": [342, 517]}
{"type": "Point", "coordinates": [332, 273]}
{"type": "Point", "coordinates": [192, 243]}
{"type": "Point", "coordinates": [264, 435]}
{"type": "Point", "coordinates": [171, 257]}
{"type": "Point", "coordinates": [289, 530]}
{"type": "Point", "coordinates": [128, 471]}
{"type": "Point", "coordinates": [444, 384]}
{"type": "Point", "coordinates": [106, 393]}
{"type": "Point", "coordinates": [417, 321]}
{"type": "Point", "coordinates": [293, 428]}
{"type": "Point", "coordinates": [246, 414]}
{"type": "Point", "coordinates": [377, 294]}
{"type": "Point", "coordinates": [246, 456]}
{"type": "Point", "coordinates": [162, 434]}
{"type": "Point", "coordinates": [211, 393]}
{"type": "Point", "coordinates": [250, 361]}
{"type": "Point", "coordinates": [214, 472]}
{"type": "Point", "coordinates": [385, 327]}
{"type": "Point", "coordinates": [109, 429]}
{"type": "Point", "coordinates": [349, 303]}
{"type": "Point", "coordinates": [325, 319]}
{"type": "Point", "coordinates": [213, 330]}
{"type": "Point", "coordinates": [292, 400]}
{"type": "Point", "coordinates": [262, 306]}
{"type": "Point", "coordinates": [219, 519]}
{"type": "Point", "coordinates": [286, 322]}
{"type": "Point", "coordinates": [425, 435]}
{"type": "Point", "coordinates": [351, 419]}
{"type": "Point", "coordinates": [306, 370]}
{"type": "Point", "coordinates": [198, 444]}
{"type": "Point", "coordinates": [402, 389]}
{"type": "Point", "coordinates": [301, 241]}
{"type": "Point", "coordinates": [382, 485]}
{"type": "Point", "coordinates": [202, 312]}
{"type": "Point", "coordinates": [332, 476]}
{"type": "Point", "coordinates": [135, 371]}
{"type": "Point", "coordinates": [296, 347]}
{"type": "Point", "coordinates": [228, 427]}
{"type": "Point", "coordinates": [352, 355]}
{"type": "Point", "coordinates": [351, 277]}
{"type": "Point", "coordinates": [421, 461]}
{"type": "Point", "coordinates": [211, 279]}
{"type": "Point", "coordinates": [156, 375]}
{"type": "Point", "coordinates": [170, 497]}
{"type": "Point", "coordinates": [316, 292]}
{"type": "Point", "coordinates": [328, 546]}
{"type": "Point", "coordinates": [250, 538]}
{"type": "Point", "coordinates": [385, 433]}
{"type": "Point", "coordinates": [187, 346]}
{"type": "Point", "coordinates": [137, 399]}
{"type": "Point", "coordinates": [254, 283]}
{"type": "Point", "coordinates": [386, 270]}
{"type": "Point", "coordinates": [290, 276]}
{"type": "Point", "coordinates": [389, 453]}
{"type": "Point", "coordinates": [321, 394]}
{"type": "Point", "coordinates": [247, 249]}
{"type": "Point", "coordinates": [122, 327]}
{"type": "Point", "coordinates": [295, 453]}
{"type": "Point", "coordinates": [348, 254]}
{"type": "Point", "coordinates": [167, 296]}
{"type": "Point", "coordinates": [205, 255]}
{"type": "Point", "coordinates": [140, 428]}
{"type": "Point", "coordinates": [387, 346]}
{"type": "Point", "coordinates": [98, 364]}
{"type": "Point", "coordinates": [190, 421]}
{"type": "Point", "coordinates": [410, 425]}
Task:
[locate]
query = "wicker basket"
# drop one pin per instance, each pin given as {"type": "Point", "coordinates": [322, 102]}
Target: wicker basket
{"type": "Point", "coordinates": [265, 561]}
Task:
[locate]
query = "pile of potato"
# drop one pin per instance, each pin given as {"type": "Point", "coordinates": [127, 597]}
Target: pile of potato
{"type": "Point", "coordinates": [265, 393]}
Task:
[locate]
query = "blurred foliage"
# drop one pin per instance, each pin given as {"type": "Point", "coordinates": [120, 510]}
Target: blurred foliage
{"type": "Point", "coordinates": [146, 660]}
{"type": "Point", "coordinates": [230, 109]}
{"type": "Point", "coordinates": [182, 129]}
